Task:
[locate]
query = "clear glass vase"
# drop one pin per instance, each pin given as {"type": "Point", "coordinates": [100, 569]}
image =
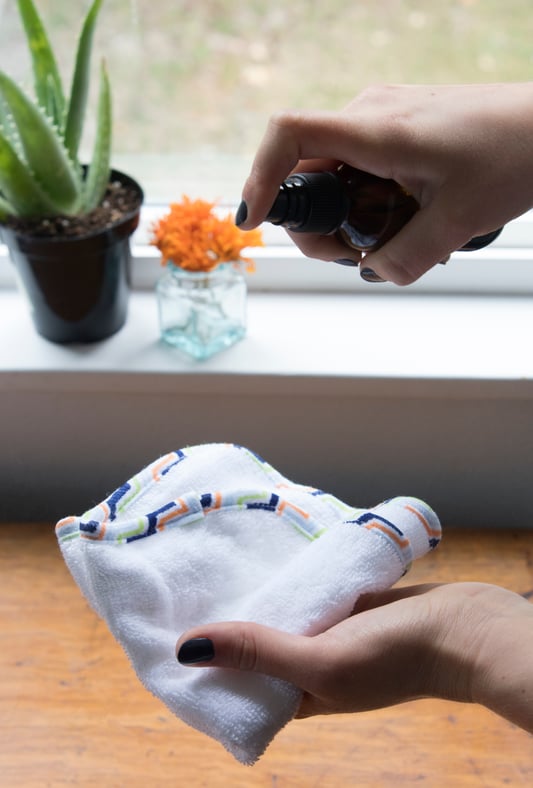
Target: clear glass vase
{"type": "Point", "coordinates": [202, 313]}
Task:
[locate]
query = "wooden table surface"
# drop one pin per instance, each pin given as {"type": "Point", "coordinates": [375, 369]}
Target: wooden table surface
{"type": "Point", "coordinates": [73, 712]}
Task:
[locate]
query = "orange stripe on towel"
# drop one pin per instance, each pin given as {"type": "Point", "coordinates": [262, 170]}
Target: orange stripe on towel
{"type": "Point", "coordinates": [217, 502]}
{"type": "Point", "coordinates": [181, 508]}
{"type": "Point", "coordinates": [105, 508]}
{"type": "Point", "coordinates": [65, 521]}
{"type": "Point", "coordinates": [161, 464]}
{"type": "Point", "coordinates": [401, 542]}
{"type": "Point", "coordinates": [285, 504]}
{"type": "Point", "coordinates": [429, 530]}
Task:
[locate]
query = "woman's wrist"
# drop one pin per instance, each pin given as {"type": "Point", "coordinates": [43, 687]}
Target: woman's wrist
{"type": "Point", "coordinates": [483, 652]}
{"type": "Point", "coordinates": [504, 679]}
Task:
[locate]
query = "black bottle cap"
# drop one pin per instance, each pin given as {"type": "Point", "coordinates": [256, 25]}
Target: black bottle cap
{"type": "Point", "coordinates": [313, 202]}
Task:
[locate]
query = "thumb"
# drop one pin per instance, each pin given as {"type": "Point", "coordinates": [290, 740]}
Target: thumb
{"type": "Point", "coordinates": [249, 647]}
{"type": "Point", "coordinates": [426, 239]}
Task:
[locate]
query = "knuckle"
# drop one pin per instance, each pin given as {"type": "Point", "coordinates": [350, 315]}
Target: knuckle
{"type": "Point", "coordinates": [310, 246]}
{"type": "Point", "coordinates": [323, 681]}
{"type": "Point", "coordinates": [246, 652]}
{"type": "Point", "coordinates": [384, 114]}
{"type": "Point", "coordinates": [403, 278]}
{"type": "Point", "coordinates": [398, 272]}
{"type": "Point", "coordinates": [285, 121]}
{"type": "Point", "coordinates": [398, 130]}
{"type": "Point", "coordinates": [375, 93]}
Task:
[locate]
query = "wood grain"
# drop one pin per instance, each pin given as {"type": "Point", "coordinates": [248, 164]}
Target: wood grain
{"type": "Point", "coordinates": [73, 713]}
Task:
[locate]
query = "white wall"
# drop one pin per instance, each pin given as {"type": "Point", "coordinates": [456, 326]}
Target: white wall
{"type": "Point", "coordinates": [69, 439]}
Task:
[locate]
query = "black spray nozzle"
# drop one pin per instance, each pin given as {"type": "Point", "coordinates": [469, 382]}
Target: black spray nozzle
{"type": "Point", "coordinates": [314, 202]}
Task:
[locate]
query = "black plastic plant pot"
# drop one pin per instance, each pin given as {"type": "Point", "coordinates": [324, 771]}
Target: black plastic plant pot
{"type": "Point", "coordinates": [78, 287]}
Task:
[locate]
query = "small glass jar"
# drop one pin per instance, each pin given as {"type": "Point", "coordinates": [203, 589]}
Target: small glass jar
{"type": "Point", "coordinates": [202, 313]}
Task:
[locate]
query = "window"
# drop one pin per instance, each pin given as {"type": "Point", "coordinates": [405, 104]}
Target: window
{"type": "Point", "coordinates": [195, 82]}
{"type": "Point", "coordinates": [436, 389]}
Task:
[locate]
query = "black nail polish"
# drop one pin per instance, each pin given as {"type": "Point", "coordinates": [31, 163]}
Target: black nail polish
{"type": "Point", "coordinates": [242, 214]}
{"type": "Point", "coordinates": [346, 261]}
{"type": "Point", "coordinates": [196, 650]}
{"type": "Point", "coordinates": [370, 276]}
{"type": "Point", "coordinates": [480, 241]}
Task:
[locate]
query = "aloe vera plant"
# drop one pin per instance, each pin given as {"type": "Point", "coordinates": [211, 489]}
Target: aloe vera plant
{"type": "Point", "coordinates": [40, 172]}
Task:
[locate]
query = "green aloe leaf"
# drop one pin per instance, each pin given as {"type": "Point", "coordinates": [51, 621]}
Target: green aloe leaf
{"type": "Point", "coordinates": [6, 126]}
{"type": "Point", "coordinates": [48, 86]}
{"type": "Point", "coordinates": [99, 168]}
{"type": "Point", "coordinates": [44, 152]}
{"type": "Point", "coordinates": [80, 82]}
{"type": "Point", "coordinates": [22, 195]}
{"type": "Point", "coordinates": [6, 210]}
{"type": "Point", "coordinates": [4, 113]}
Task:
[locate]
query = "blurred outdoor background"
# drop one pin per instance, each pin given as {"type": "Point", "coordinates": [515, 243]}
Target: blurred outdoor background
{"type": "Point", "coordinates": [201, 77]}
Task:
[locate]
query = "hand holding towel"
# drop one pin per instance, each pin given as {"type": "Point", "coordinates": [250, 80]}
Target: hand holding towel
{"type": "Point", "coordinates": [214, 533]}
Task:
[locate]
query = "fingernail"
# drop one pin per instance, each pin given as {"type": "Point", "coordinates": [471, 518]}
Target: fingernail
{"type": "Point", "coordinates": [370, 276]}
{"type": "Point", "coordinates": [196, 650]}
{"type": "Point", "coordinates": [346, 261]}
{"type": "Point", "coordinates": [242, 214]}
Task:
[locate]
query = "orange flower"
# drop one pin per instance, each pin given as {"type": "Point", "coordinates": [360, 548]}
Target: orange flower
{"type": "Point", "coordinates": [193, 237]}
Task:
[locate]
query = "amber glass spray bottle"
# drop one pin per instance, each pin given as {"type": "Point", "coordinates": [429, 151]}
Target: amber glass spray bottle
{"type": "Point", "coordinates": [363, 210]}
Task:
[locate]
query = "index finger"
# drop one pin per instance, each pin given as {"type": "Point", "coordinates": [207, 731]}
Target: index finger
{"type": "Point", "coordinates": [297, 140]}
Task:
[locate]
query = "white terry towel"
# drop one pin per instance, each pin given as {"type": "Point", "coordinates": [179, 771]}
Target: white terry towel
{"type": "Point", "coordinates": [214, 533]}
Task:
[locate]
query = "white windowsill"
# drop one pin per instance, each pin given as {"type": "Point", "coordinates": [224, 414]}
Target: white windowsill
{"type": "Point", "coordinates": [302, 335]}
{"type": "Point", "coordinates": [363, 396]}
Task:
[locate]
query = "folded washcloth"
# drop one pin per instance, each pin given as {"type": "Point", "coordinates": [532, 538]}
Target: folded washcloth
{"type": "Point", "coordinates": [214, 533]}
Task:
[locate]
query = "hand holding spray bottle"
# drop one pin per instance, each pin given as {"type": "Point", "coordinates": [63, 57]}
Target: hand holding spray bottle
{"type": "Point", "coordinates": [363, 210]}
